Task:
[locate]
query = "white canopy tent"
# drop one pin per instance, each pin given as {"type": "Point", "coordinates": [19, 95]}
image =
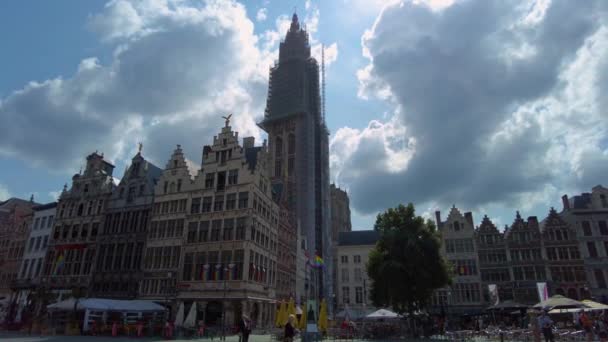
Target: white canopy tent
{"type": "Point", "coordinates": [383, 314]}
{"type": "Point", "coordinates": [102, 305]}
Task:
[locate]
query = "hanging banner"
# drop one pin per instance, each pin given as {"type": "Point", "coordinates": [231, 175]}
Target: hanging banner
{"type": "Point", "coordinates": [543, 293]}
{"type": "Point", "coordinates": [493, 290]}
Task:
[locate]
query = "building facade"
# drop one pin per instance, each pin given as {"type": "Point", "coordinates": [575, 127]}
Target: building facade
{"type": "Point", "coordinates": [15, 220]}
{"type": "Point", "coordinates": [494, 267]}
{"type": "Point", "coordinates": [165, 234]}
{"type": "Point", "coordinates": [287, 255]}
{"type": "Point", "coordinates": [80, 212]}
{"type": "Point", "coordinates": [118, 265]}
{"type": "Point", "coordinates": [340, 222]}
{"type": "Point", "coordinates": [30, 270]}
{"type": "Point", "coordinates": [458, 246]}
{"type": "Point", "coordinates": [588, 215]}
{"type": "Point", "coordinates": [565, 264]}
{"type": "Point", "coordinates": [229, 264]}
{"type": "Point", "coordinates": [353, 283]}
{"type": "Point", "coordinates": [299, 149]}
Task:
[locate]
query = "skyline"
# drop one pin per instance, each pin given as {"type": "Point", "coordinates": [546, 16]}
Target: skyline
{"type": "Point", "coordinates": [489, 107]}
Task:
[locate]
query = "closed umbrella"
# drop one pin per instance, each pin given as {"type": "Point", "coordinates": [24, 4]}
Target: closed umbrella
{"type": "Point", "coordinates": [322, 323]}
{"type": "Point", "coordinates": [291, 308]}
{"type": "Point", "coordinates": [179, 318]}
{"type": "Point", "coordinates": [303, 319]}
{"type": "Point", "coordinates": [190, 321]}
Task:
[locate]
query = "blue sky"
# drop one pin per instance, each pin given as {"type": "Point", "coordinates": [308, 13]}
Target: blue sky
{"type": "Point", "coordinates": [489, 106]}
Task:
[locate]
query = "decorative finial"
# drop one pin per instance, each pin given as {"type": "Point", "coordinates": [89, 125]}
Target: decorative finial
{"type": "Point", "coordinates": [32, 198]}
{"type": "Point", "coordinates": [80, 171]}
{"type": "Point", "coordinates": [179, 147]}
{"type": "Point", "coordinates": [65, 187]}
{"type": "Point", "coordinates": [227, 118]}
{"type": "Point", "coordinates": [518, 216]}
{"type": "Point", "coordinates": [139, 147]}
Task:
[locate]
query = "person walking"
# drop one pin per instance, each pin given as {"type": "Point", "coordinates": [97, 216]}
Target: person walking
{"type": "Point", "coordinates": [546, 325]}
{"type": "Point", "coordinates": [290, 329]}
{"type": "Point", "coordinates": [601, 328]}
{"type": "Point", "coordinates": [587, 324]}
{"type": "Point", "coordinates": [245, 328]}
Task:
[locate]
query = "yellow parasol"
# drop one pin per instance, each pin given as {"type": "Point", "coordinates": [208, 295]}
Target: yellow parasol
{"type": "Point", "coordinates": [282, 316]}
{"type": "Point", "coordinates": [277, 317]}
{"type": "Point", "coordinates": [302, 323]}
{"type": "Point", "coordinates": [322, 323]}
{"type": "Point", "coordinates": [291, 309]}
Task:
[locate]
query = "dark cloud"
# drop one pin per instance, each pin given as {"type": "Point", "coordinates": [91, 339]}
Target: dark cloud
{"type": "Point", "coordinates": [463, 80]}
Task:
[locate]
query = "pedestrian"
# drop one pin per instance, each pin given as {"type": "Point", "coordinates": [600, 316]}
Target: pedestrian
{"type": "Point", "coordinates": [587, 324]}
{"type": "Point", "coordinates": [140, 328]}
{"type": "Point", "coordinates": [114, 329]}
{"type": "Point", "coordinates": [290, 329]}
{"type": "Point", "coordinates": [245, 328]}
{"type": "Point", "coordinates": [546, 326]}
{"type": "Point", "coordinates": [201, 329]}
{"type": "Point", "coordinates": [601, 328]}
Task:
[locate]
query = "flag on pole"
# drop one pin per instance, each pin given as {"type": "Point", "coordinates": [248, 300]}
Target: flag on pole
{"type": "Point", "coordinates": [543, 294]}
{"type": "Point", "coordinates": [494, 299]}
{"type": "Point", "coordinates": [59, 263]}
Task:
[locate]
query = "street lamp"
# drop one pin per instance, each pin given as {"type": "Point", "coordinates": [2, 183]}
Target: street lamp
{"type": "Point", "coordinates": [226, 269]}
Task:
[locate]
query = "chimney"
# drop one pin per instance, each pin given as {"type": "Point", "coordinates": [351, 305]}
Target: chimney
{"type": "Point", "coordinates": [469, 217]}
{"type": "Point", "coordinates": [565, 202]}
{"type": "Point", "coordinates": [438, 218]}
{"type": "Point", "coordinates": [248, 142]}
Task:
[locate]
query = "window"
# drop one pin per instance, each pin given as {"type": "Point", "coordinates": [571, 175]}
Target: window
{"type": "Point", "coordinates": [36, 223]}
{"type": "Point", "coordinates": [216, 226]}
{"type": "Point", "coordinates": [458, 245]}
{"type": "Point", "coordinates": [278, 149]}
{"type": "Point", "coordinates": [291, 144]}
{"type": "Point", "coordinates": [209, 180]}
{"type": "Point", "coordinates": [31, 245]}
{"type": "Point", "coordinates": [207, 204]}
{"type": "Point", "coordinates": [344, 259]}
{"type": "Point", "coordinates": [278, 168]}
{"type": "Point", "coordinates": [240, 228]}
{"type": "Point", "coordinates": [358, 274]}
{"type": "Point", "coordinates": [219, 203]}
{"type": "Point", "coordinates": [203, 231]}
{"type": "Point", "coordinates": [465, 293]}
{"type": "Point", "coordinates": [38, 241]}
{"type": "Point", "coordinates": [604, 202]}
{"type": "Point", "coordinates": [195, 207]}
{"type": "Point", "coordinates": [233, 177]}
{"type": "Point", "coordinates": [243, 200]}
{"type": "Point", "coordinates": [45, 241]}
{"type": "Point", "coordinates": [603, 227]}
{"type": "Point", "coordinates": [357, 259]}
{"type": "Point", "coordinates": [50, 221]}
{"type": "Point", "coordinates": [592, 250]}
{"type": "Point", "coordinates": [586, 228]}
{"type": "Point", "coordinates": [599, 278]}
{"type": "Point", "coordinates": [188, 264]}
{"type": "Point", "coordinates": [24, 269]}
{"type": "Point", "coordinates": [290, 165]}
{"type": "Point", "coordinates": [466, 267]}
{"type": "Point", "coordinates": [192, 232]}
{"type": "Point", "coordinates": [228, 229]}
{"type": "Point", "coordinates": [358, 295]}
{"type": "Point", "coordinates": [230, 201]}
{"type": "Point", "coordinates": [221, 181]}
{"type": "Point", "coordinates": [179, 185]}
{"type": "Point", "coordinates": [551, 254]}
{"type": "Point", "coordinates": [346, 295]}
{"type": "Point", "coordinates": [345, 275]}
{"type": "Point", "coordinates": [456, 226]}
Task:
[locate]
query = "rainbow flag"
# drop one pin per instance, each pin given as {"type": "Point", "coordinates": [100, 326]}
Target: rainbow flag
{"type": "Point", "coordinates": [317, 262]}
{"type": "Point", "coordinates": [216, 274]}
{"type": "Point", "coordinates": [59, 263]}
{"type": "Point", "coordinates": [205, 275]}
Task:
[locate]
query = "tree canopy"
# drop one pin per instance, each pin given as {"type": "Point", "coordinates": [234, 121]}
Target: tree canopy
{"type": "Point", "coordinates": [406, 265]}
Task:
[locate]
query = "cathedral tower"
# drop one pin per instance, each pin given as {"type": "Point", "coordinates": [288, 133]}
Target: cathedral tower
{"type": "Point", "coordinates": [298, 142]}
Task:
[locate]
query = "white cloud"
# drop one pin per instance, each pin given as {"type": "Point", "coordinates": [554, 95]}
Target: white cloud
{"type": "Point", "coordinates": [481, 130]}
{"type": "Point", "coordinates": [262, 14]}
{"type": "Point", "coordinates": [4, 193]}
{"type": "Point", "coordinates": [177, 67]}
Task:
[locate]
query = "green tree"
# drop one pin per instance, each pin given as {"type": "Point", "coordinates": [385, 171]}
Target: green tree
{"type": "Point", "coordinates": [406, 265]}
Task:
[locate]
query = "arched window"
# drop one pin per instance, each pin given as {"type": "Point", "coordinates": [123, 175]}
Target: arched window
{"type": "Point", "coordinates": [291, 144]}
{"type": "Point", "coordinates": [80, 209]}
{"type": "Point", "coordinates": [456, 225]}
{"type": "Point", "coordinates": [278, 148]}
{"type": "Point", "coordinates": [172, 187]}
